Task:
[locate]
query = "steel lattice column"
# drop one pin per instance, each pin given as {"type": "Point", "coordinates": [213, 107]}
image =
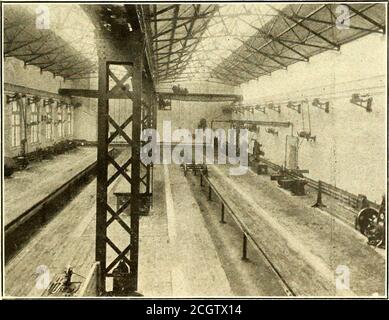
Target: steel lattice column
{"type": "Point", "coordinates": [126, 52]}
{"type": "Point", "coordinates": [147, 117]}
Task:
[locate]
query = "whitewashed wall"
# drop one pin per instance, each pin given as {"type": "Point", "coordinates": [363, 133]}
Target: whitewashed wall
{"type": "Point", "coordinates": [350, 151]}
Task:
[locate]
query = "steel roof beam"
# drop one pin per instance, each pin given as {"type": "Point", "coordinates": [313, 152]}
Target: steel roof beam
{"type": "Point", "coordinates": [25, 44]}
{"type": "Point", "coordinates": [367, 18]}
{"type": "Point", "coordinates": [176, 10]}
{"type": "Point", "coordinates": [317, 34]}
{"type": "Point", "coordinates": [308, 44]}
{"type": "Point", "coordinates": [201, 31]}
{"type": "Point", "coordinates": [351, 26]}
{"type": "Point", "coordinates": [40, 55]}
{"type": "Point", "coordinates": [271, 37]}
{"type": "Point", "coordinates": [287, 30]}
{"type": "Point", "coordinates": [199, 16]}
{"type": "Point", "coordinates": [246, 60]}
{"type": "Point", "coordinates": [163, 11]}
{"type": "Point", "coordinates": [264, 54]}
{"type": "Point", "coordinates": [189, 31]}
{"type": "Point", "coordinates": [223, 73]}
{"type": "Point", "coordinates": [238, 66]}
{"type": "Point", "coordinates": [170, 30]}
{"type": "Point", "coordinates": [224, 77]}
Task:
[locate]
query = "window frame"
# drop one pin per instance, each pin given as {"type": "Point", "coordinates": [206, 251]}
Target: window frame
{"type": "Point", "coordinates": [16, 126]}
{"type": "Point", "coordinates": [34, 122]}
{"type": "Point", "coordinates": [49, 121]}
{"type": "Point", "coordinates": [69, 116]}
{"type": "Point", "coordinates": [60, 132]}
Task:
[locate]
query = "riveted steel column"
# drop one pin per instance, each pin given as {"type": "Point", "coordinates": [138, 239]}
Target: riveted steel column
{"type": "Point", "coordinates": [102, 164]}
{"type": "Point", "coordinates": [126, 51]}
{"type": "Point", "coordinates": [136, 162]}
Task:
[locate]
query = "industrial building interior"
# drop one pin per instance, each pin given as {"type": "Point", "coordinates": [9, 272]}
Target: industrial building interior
{"type": "Point", "coordinates": [297, 89]}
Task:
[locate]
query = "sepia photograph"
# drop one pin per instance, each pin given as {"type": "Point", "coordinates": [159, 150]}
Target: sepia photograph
{"type": "Point", "coordinates": [199, 150]}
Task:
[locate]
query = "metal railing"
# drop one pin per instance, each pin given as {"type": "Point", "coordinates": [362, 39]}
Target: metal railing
{"type": "Point", "coordinates": [246, 232]}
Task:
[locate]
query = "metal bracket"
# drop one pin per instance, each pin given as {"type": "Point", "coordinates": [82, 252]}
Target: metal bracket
{"type": "Point", "coordinates": [47, 102]}
{"type": "Point", "coordinates": [306, 135]}
{"type": "Point", "coordinates": [321, 105]}
{"type": "Point", "coordinates": [273, 107]}
{"type": "Point", "coordinates": [294, 106]}
{"type": "Point", "coordinates": [34, 99]}
{"type": "Point", "coordinates": [15, 97]}
{"type": "Point", "coordinates": [272, 131]}
{"type": "Point", "coordinates": [260, 108]}
{"type": "Point", "coordinates": [364, 101]}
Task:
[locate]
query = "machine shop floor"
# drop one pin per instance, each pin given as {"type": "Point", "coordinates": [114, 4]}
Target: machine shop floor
{"type": "Point", "coordinates": [303, 242]}
{"type": "Point", "coordinates": [29, 186]}
{"type": "Point", "coordinates": [68, 239]}
{"type": "Point", "coordinates": [185, 251]}
{"type": "Point", "coordinates": [177, 255]}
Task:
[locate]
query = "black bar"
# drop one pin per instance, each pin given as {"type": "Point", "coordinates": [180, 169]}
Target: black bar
{"type": "Point", "coordinates": [244, 253]}
{"type": "Point", "coordinates": [102, 164]}
{"type": "Point", "coordinates": [135, 166]}
{"type": "Point", "coordinates": [222, 218]}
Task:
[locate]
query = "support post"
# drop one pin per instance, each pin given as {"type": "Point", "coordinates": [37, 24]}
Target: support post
{"type": "Point", "coordinates": [222, 216]}
{"type": "Point", "coordinates": [102, 165]}
{"type": "Point", "coordinates": [120, 58]}
{"type": "Point", "coordinates": [244, 248]}
{"type": "Point", "coordinates": [319, 203]}
{"type": "Point", "coordinates": [136, 163]}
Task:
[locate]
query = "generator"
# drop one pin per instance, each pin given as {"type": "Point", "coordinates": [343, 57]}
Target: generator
{"type": "Point", "coordinates": [371, 223]}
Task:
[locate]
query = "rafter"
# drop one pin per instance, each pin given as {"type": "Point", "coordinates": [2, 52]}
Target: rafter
{"type": "Point", "coordinates": [247, 60]}
{"type": "Point", "coordinates": [24, 44]}
{"type": "Point", "coordinates": [201, 31]}
{"type": "Point", "coordinates": [367, 18]}
{"type": "Point", "coordinates": [301, 24]}
{"type": "Point", "coordinates": [188, 18]}
{"type": "Point", "coordinates": [174, 23]}
{"type": "Point", "coordinates": [162, 11]}
{"type": "Point", "coordinates": [263, 53]}
{"type": "Point", "coordinates": [379, 30]}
